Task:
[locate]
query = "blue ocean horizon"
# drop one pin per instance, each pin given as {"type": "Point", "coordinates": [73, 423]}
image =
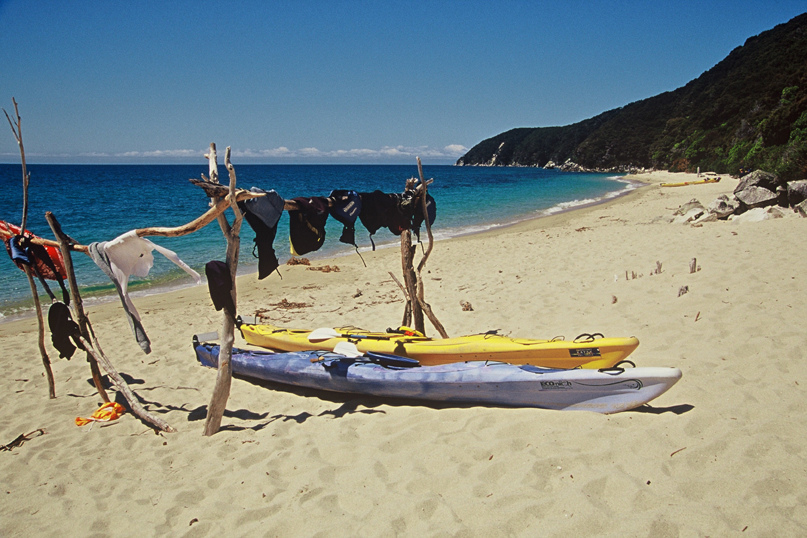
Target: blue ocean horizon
{"type": "Point", "coordinates": [101, 202]}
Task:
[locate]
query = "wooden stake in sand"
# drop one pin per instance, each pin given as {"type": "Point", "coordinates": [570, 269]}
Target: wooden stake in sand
{"type": "Point", "coordinates": [16, 129]}
{"type": "Point", "coordinates": [414, 293]}
{"type": "Point", "coordinates": [221, 392]}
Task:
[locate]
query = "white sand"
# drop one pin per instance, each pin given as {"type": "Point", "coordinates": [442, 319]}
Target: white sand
{"type": "Point", "coordinates": [721, 453]}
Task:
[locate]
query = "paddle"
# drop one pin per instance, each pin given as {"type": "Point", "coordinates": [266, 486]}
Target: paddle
{"type": "Point", "coordinates": [349, 349]}
{"type": "Point", "coordinates": [326, 333]}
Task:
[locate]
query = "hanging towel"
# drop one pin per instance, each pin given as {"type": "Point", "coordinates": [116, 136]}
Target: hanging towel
{"type": "Point", "coordinates": [128, 255]}
{"type": "Point", "coordinates": [263, 214]}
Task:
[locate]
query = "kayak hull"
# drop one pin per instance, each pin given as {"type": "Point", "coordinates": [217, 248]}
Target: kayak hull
{"type": "Point", "coordinates": [476, 382]}
{"type": "Point", "coordinates": [595, 353]}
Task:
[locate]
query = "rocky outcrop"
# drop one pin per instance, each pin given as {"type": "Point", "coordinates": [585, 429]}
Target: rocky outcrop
{"type": "Point", "coordinates": [753, 200]}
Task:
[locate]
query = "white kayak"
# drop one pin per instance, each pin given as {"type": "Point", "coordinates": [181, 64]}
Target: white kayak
{"type": "Point", "coordinates": [608, 390]}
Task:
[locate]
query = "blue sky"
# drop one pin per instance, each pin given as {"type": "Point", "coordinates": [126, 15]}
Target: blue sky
{"type": "Point", "coordinates": [340, 81]}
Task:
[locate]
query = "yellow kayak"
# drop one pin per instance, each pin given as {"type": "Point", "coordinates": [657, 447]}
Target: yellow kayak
{"type": "Point", "coordinates": [586, 351]}
{"type": "Point", "coordinates": [685, 183]}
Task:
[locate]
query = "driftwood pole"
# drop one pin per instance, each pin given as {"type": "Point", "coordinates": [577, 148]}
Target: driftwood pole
{"type": "Point", "coordinates": [420, 291]}
{"type": "Point", "coordinates": [16, 129]}
{"type": "Point", "coordinates": [409, 276]}
{"type": "Point", "coordinates": [221, 392]}
{"type": "Point", "coordinates": [412, 287]}
{"type": "Point", "coordinates": [78, 306]}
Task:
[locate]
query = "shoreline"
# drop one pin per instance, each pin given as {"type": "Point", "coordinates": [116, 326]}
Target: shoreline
{"type": "Point", "coordinates": [633, 184]}
{"type": "Point", "coordinates": [720, 453]}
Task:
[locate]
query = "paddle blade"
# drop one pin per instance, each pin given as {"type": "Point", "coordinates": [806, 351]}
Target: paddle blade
{"type": "Point", "coordinates": [387, 359]}
{"type": "Point", "coordinates": [323, 333]}
{"type": "Point", "coordinates": [348, 349]}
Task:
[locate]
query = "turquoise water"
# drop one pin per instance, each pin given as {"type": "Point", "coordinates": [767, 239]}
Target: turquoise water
{"type": "Point", "coordinates": [100, 202]}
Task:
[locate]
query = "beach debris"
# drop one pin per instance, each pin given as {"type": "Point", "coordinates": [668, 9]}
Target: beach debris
{"type": "Point", "coordinates": [18, 442]}
{"type": "Point", "coordinates": [325, 269]}
{"type": "Point", "coordinates": [677, 451]}
{"type": "Point", "coordinates": [682, 290]}
{"type": "Point", "coordinates": [298, 261]}
{"type": "Point", "coordinates": [106, 413]}
{"type": "Point", "coordinates": [613, 299]}
{"type": "Point", "coordinates": [632, 275]}
{"type": "Point", "coordinates": [285, 304]}
{"type": "Point", "coordinates": [693, 265]}
{"type": "Point", "coordinates": [357, 294]}
{"type": "Point", "coordinates": [657, 270]}
{"type": "Point", "coordinates": [466, 306]}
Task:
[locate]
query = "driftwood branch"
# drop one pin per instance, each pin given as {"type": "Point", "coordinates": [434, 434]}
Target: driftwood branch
{"type": "Point", "coordinates": [420, 291]}
{"type": "Point", "coordinates": [221, 392]}
{"type": "Point", "coordinates": [78, 306]}
{"type": "Point", "coordinates": [41, 335]}
{"type": "Point", "coordinates": [16, 129]}
{"type": "Point", "coordinates": [407, 316]}
{"type": "Point", "coordinates": [410, 281]}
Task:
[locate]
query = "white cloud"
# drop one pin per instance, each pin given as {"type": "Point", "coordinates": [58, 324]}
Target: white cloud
{"type": "Point", "coordinates": [390, 154]}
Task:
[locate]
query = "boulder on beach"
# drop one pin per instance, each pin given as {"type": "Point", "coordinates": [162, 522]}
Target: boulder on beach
{"type": "Point", "coordinates": [723, 206]}
{"type": "Point", "coordinates": [759, 178]}
{"type": "Point", "coordinates": [758, 214]}
{"type": "Point", "coordinates": [796, 192]}
{"type": "Point", "coordinates": [754, 196]}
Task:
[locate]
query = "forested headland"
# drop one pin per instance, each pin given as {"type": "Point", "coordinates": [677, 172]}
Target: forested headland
{"type": "Point", "coordinates": [747, 112]}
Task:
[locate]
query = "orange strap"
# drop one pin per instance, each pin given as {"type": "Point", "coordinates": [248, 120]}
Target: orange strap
{"type": "Point", "coordinates": [107, 412]}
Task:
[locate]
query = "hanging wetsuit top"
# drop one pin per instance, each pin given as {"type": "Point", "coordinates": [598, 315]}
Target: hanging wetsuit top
{"type": "Point", "coordinates": [381, 210]}
{"type": "Point", "coordinates": [64, 332]}
{"type": "Point", "coordinates": [307, 224]}
{"type": "Point", "coordinates": [263, 214]}
{"type": "Point", "coordinates": [46, 262]}
{"type": "Point", "coordinates": [431, 211]}
{"type": "Point", "coordinates": [220, 285]}
{"type": "Point", "coordinates": [346, 209]}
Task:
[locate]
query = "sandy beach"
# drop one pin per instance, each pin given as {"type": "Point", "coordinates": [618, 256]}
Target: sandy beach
{"type": "Point", "coordinates": [721, 454]}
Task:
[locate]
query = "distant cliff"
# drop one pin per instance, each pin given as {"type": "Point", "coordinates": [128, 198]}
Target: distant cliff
{"type": "Point", "coordinates": [749, 111]}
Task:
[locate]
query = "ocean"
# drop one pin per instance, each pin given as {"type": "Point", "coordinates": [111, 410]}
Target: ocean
{"type": "Point", "coordinates": [100, 202]}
